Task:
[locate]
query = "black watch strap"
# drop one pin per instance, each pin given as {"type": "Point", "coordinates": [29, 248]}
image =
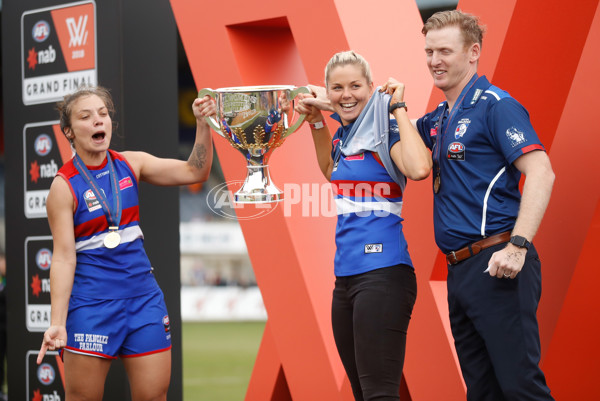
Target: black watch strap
{"type": "Point", "coordinates": [397, 106]}
{"type": "Point", "coordinates": [519, 241]}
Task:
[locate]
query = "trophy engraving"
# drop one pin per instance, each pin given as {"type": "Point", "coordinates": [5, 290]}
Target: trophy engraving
{"type": "Point", "coordinates": [256, 120]}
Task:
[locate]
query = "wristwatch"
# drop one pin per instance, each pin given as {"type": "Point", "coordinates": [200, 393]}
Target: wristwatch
{"type": "Point", "coordinates": [397, 106]}
{"type": "Point", "coordinates": [519, 241]}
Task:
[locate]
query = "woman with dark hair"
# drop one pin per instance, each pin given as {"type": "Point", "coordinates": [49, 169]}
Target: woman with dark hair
{"type": "Point", "coordinates": [105, 300]}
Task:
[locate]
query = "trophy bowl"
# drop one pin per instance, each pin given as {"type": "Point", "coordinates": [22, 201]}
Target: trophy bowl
{"type": "Point", "coordinates": [256, 120]}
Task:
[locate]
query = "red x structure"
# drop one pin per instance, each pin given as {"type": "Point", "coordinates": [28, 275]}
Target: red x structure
{"type": "Point", "coordinates": [544, 52]}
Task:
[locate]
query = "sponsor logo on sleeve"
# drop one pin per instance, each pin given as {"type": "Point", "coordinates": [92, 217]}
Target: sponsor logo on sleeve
{"type": "Point", "coordinates": [515, 136]}
{"type": "Point", "coordinates": [126, 182]}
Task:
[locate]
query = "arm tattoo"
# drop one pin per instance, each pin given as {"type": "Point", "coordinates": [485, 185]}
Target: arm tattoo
{"type": "Point", "coordinates": [198, 157]}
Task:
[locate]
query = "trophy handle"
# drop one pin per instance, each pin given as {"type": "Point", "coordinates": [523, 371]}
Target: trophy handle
{"type": "Point", "coordinates": [211, 121]}
{"type": "Point", "coordinates": [293, 94]}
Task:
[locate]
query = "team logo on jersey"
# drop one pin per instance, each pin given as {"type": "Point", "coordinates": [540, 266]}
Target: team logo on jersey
{"type": "Point", "coordinates": [394, 128]}
{"type": "Point", "coordinates": [45, 374]}
{"type": "Point", "coordinates": [456, 151]}
{"type": "Point", "coordinates": [373, 248]}
{"type": "Point", "coordinates": [515, 136]}
{"type": "Point", "coordinates": [461, 128]}
{"type": "Point", "coordinates": [125, 183]}
{"type": "Point", "coordinates": [91, 201]}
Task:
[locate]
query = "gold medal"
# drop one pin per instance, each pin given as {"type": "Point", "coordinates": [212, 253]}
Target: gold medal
{"type": "Point", "coordinates": [436, 184]}
{"type": "Point", "coordinates": [112, 239]}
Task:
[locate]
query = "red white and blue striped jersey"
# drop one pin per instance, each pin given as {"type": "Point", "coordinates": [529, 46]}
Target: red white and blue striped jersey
{"type": "Point", "coordinates": [104, 273]}
{"type": "Point", "coordinates": [369, 203]}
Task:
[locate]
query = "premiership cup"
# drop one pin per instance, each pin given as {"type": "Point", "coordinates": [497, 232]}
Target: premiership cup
{"type": "Point", "coordinates": [254, 121]}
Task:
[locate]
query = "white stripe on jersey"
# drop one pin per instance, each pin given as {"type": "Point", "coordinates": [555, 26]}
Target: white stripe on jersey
{"type": "Point", "coordinates": [381, 208]}
{"type": "Point", "coordinates": [493, 93]}
{"type": "Point", "coordinates": [485, 199]}
{"type": "Point", "coordinates": [128, 234]}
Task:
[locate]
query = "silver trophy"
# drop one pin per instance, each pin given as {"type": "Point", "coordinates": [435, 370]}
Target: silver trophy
{"type": "Point", "coordinates": [256, 120]}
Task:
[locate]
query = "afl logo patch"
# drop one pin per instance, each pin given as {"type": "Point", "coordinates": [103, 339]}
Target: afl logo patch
{"type": "Point", "coordinates": [40, 31]}
{"type": "Point", "coordinates": [42, 145]}
{"type": "Point", "coordinates": [45, 374]}
{"type": "Point", "coordinates": [166, 324]}
{"type": "Point", "coordinates": [91, 201]}
{"type": "Point", "coordinates": [456, 151]}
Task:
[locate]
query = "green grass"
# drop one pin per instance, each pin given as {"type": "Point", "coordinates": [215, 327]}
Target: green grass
{"type": "Point", "coordinates": [218, 359]}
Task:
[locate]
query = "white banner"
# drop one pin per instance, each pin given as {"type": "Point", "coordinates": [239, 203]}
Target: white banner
{"type": "Point", "coordinates": [222, 304]}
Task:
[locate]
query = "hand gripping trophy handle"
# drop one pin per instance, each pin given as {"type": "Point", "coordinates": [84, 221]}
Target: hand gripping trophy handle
{"type": "Point", "coordinates": [211, 121]}
{"type": "Point", "coordinates": [255, 121]}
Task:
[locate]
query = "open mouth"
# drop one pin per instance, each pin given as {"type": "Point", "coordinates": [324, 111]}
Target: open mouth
{"type": "Point", "coordinates": [99, 136]}
{"type": "Point", "coordinates": [348, 106]}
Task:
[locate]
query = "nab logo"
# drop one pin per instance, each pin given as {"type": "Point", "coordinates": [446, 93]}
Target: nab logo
{"type": "Point", "coordinates": [43, 258]}
{"type": "Point", "coordinates": [43, 145]}
{"type": "Point", "coordinates": [45, 374]}
{"type": "Point", "coordinates": [40, 31]}
{"type": "Point", "coordinates": [456, 147]}
{"type": "Point", "coordinates": [47, 56]}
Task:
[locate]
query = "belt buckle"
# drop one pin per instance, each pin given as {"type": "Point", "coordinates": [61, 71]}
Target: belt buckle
{"type": "Point", "coordinates": [453, 261]}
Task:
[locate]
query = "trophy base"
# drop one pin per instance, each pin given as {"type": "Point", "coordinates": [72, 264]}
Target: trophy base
{"type": "Point", "coordinates": [258, 188]}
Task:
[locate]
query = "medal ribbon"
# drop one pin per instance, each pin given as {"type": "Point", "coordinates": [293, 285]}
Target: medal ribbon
{"type": "Point", "coordinates": [442, 130]}
{"type": "Point", "coordinates": [112, 212]}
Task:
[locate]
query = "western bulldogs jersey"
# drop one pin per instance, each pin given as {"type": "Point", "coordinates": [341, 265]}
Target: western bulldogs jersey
{"type": "Point", "coordinates": [369, 203]}
{"type": "Point", "coordinates": [474, 145]}
{"type": "Point", "coordinates": [104, 273]}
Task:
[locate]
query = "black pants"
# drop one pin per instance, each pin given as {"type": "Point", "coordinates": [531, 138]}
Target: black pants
{"type": "Point", "coordinates": [370, 314]}
{"type": "Point", "coordinates": [495, 329]}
